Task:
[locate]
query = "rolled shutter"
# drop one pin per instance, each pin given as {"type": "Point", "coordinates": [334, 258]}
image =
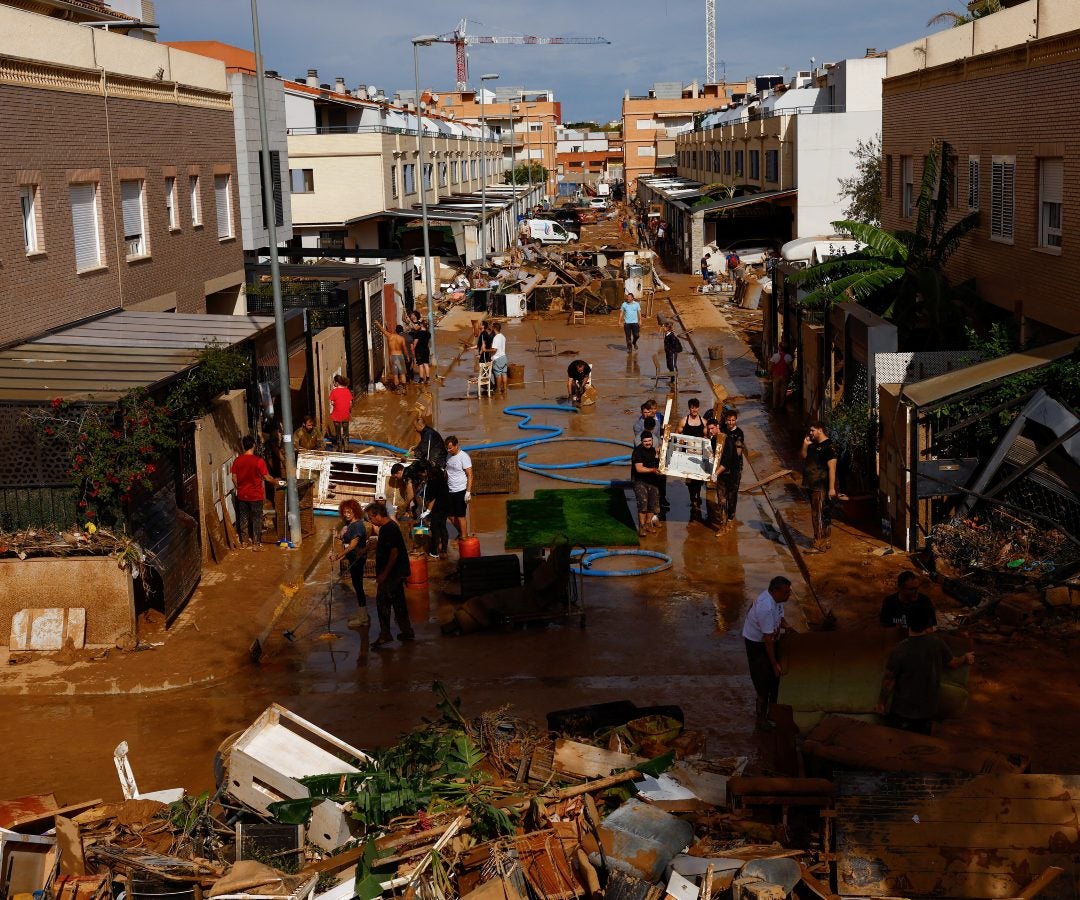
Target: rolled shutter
{"type": "Point", "coordinates": [84, 224]}
{"type": "Point", "coordinates": [221, 201]}
{"type": "Point", "coordinates": [131, 203]}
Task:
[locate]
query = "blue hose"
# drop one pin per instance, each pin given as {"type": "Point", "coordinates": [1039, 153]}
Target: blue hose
{"type": "Point", "coordinates": [526, 418]}
{"type": "Point", "coordinates": [548, 469]}
{"type": "Point", "coordinates": [588, 557]}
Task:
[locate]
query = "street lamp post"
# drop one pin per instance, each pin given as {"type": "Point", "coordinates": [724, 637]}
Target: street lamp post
{"type": "Point", "coordinates": [513, 158]}
{"type": "Point", "coordinates": [425, 40]}
{"type": "Point", "coordinates": [483, 170]}
{"type": "Point", "coordinates": [292, 496]}
{"type": "Point", "coordinates": [528, 155]}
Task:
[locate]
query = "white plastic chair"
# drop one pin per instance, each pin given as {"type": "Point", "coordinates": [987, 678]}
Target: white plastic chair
{"type": "Point", "coordinates": [481, 381]}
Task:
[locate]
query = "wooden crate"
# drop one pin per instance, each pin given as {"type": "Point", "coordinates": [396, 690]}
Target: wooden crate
{"type": "Point", "coordinates": [495, 471]}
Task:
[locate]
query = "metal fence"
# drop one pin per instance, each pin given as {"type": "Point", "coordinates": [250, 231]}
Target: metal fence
{"type": "Point", "coordinates": [36, 506]}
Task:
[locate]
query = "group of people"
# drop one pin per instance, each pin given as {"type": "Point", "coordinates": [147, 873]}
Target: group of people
{"type": "Point", "coordinates": [491, 349]}
{"type": "Point", "coordinates": [911, 687]}
{"type": "Point", "coordinates": [727, 443]}
{"type": "Point", "coordinates": [408, 348]}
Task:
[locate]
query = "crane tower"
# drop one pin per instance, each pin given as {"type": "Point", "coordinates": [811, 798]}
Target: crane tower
{"type": "Point", "coordinates": [710, 41]}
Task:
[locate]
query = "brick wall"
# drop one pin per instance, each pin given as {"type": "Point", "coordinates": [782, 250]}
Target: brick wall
{"type": "Point", "coordinates": [1019, 109]}
{"type": "Point", "coordinates": [51, 134]}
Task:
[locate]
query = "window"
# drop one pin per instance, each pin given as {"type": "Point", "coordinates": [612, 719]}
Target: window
{"type": "Point", "coordinates": [85, 224]}
{"type": "Point", "coordinates": [171, 213]}
{"type": "Point", "coordinates": [772, 166]}
{"type": "Point", "coordinates": [1002, 197]}
{"type": "Point", "coordinates": [646, 151]}
{"type": "Point", "coordinates": [331, 240]}
{"type": "Point", "coordinates": [28, 197]}
{"type": "Point", "coordinates": [275, 187]}
{"type": "Point", "coordinates": [195, 191]}
{"type": "Point", "coordinates": [472, 169]}
{"type": "Point", "coordinates": [727, 162]}
{"type": "Point", "coordinates": [410, 178]}
{"type": "Point", "coordinates": [223, 206]}
{"type": "Point", "coordinates": [1051, 187]}
{"type": "Point", "coordinates": [755, 165]}
{"type": "Point", "coordinates": [428, 169]}
{"type": "Point", "coordinates": [973, 183]}
{"type": "Point", "coordinates": [131, 204]}
{"type": "Point", "coordinates": [907, 186]}
{"type": "Point", "coordinates": [302, 181]}
{"type": "Point", "coordinates": [454, 171]}
{"type": "Point", "coordinates": [442, 174]}
{"type": "Point", "coordinates": [738, 162]}
{"type": "Point", "coordinates": [888, 177]}
{"type": "Point", "coordinates": [393, 181]}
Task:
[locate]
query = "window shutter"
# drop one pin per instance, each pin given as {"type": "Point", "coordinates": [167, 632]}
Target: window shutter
{"type": "Point", "coordinates": [275, 178]}
{"type": "Point", "coordinates": [84, 222]}
{"type": "Point", "coordinates": [1002, 198]}
{"type": "Point", "coordinates": [221, 201]}
{"type": "Point", "coordinates": [1051, 180]}
{"type": "Point", "coordinates": [131, 203]}
{"type": "Point", "coordinates": [973, 184]}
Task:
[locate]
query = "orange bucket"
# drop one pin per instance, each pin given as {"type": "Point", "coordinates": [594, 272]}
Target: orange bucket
{"type": "Point", "coordinates": [469, 548]}
{"type": "Point", "coordinates": [418, 573]}
{"type": "Point", "coordinates": [418, 602]}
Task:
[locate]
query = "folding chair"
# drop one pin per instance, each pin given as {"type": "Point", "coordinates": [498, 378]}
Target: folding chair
{"type": "Point", "coordinates": [545, 346]}
{"type": "Point", "coordinates": [481, 381]}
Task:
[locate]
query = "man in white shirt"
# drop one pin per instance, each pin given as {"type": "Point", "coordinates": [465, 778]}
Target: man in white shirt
{"type": "Point", "coordinates": [459, 481]}
{"type": "Point", "coordinates": [499, 361]}
{"type": "Point", "coordinates": [761, 632]}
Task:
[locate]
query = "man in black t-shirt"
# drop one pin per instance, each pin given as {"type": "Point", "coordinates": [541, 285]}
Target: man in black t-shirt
{"type": "Point", "coordinates": [645, 477]}
{"type": "Point", "coordinates": [729, 475]}
{"type": "Point", "coordinates": [578, 374]}
{"type": "Point", "coordinates": [819, 480]}
{"type": "Point", "coordinates": [896, 608]}
{"type": "Point", "coordinates": [391, 570]}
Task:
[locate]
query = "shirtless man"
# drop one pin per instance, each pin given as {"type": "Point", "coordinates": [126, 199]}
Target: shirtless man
{"type": "Point", "coordinates": [395, 346]}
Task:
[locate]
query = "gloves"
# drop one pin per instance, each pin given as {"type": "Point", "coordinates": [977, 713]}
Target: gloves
{"type": "Point", "coordinates": [468, 496]}
{"type": "Point", "coordinates": [425, 514]}
{"type": "Point", "coordinates": [282, 483]}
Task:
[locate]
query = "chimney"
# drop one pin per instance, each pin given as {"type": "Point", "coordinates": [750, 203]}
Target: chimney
{"type": "Point", "coordinates": [312, 78]}
{"type": "Point", "coordinates": [271, 73]}
{"type": "Point", "coordinates": [361, 92]}
{"type": "Point", "coordinates": [871, 51]}
{"type": "Point", "coordinates": [339, 85]}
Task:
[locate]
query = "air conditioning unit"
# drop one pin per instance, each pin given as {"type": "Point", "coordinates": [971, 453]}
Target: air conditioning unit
{"type": "Point", "coordinates": [515, 306]}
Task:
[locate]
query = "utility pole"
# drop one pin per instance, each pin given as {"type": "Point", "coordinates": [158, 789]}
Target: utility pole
{"type": "Point", "coordinates": [710, 41]}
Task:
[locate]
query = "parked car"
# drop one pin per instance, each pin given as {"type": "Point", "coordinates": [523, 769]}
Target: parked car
{"type": "Point", "coordinates": [598, 202]}
{"type": "Point", "coordinates": [751, 251]}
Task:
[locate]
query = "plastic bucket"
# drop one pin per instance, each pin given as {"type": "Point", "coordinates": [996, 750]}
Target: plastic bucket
{"type": "Point", "coordinates": [469, 548]}
{"type": "Point", "coordinates": [418, 602]}
{"type": "Point", "coordinates": [515, 374]}
{"type": "Point", "coordinates": [418, 574]}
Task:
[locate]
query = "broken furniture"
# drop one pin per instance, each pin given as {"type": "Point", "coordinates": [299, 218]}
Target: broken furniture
{"type": "Point", "coordinates": [28, 863]}
{"type": "Point", "coordinates": [641, 840]}
{"type": "Point", "coordinates": [344, 476]}
{"type": "Point", "coordinates": [127, 780]}
{"type": "Point", "coordinates": [688, 456]}
{"type": "Point", "coordinates": [662, 374]}
{"type": "Point", "coordinates": [545, 346]}
{"type": "Point", "coordinates": [264, 764]}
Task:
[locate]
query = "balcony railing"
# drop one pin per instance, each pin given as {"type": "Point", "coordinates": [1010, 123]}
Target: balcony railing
{"type": "Point", "coordinates": [778, 113]}
{"type": "Point", "coordinates": [381, 129]}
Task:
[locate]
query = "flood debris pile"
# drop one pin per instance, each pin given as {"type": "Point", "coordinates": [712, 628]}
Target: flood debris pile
{"type": "Point", "coordinates": [613, 801]}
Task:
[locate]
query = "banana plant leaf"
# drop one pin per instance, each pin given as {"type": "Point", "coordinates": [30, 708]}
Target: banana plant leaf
{"type": "Point", "coordinates": [294, 812]}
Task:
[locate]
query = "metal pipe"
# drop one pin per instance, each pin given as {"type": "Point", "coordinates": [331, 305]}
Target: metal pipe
{"type": "Point", "coordinates": [292, 496]}
{"type": "Point", "coordinates": [425, 41]}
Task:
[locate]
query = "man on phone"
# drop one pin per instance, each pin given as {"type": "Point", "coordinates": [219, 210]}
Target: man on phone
{"type": "Point", "coordinates": [819, 480]}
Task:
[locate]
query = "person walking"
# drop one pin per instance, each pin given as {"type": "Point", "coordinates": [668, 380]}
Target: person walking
{"type": "Point", "coordinates": [459, 477]}
{"type": "Point", "coordinates": [911, 688]}
{"type": "Point", "coordinates": [693, 425]}
{"type": "Point", "coordinates": [645, 478]}
{"type": "Point", "coordinates": [761, 634]}
{"type": "Point", "coordinates": [819, 480]}
{"type": "Point", "coordinates": [672, 349]}
{"type": "Point", "coordinates": [307, 436]}
{"type": "Point", "coordinates": [630, 317]}
{"type": "Point", "coordinates": [729, 475]}
{"type": "Point", "coordinates": [249, 472]}
{"type": "Point", "coordinates": [500, 363]}
{"type": "Point", "coordinates": [422, 351]}
{"type": "Point", "coordinates": [354, 541]}
{"type": "Point", "coordinates": [341, 401]}
{"type": "Point", "coordinates": [779, 375]}
{"type": "Point", "coordinates": [391, 570]}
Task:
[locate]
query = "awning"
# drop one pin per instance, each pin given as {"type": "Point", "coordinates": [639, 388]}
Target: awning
{"type": "Point", "coordinates": [745, 200]}
{"type": "Point", "coordinates": [942, 387]}
{"type": "Point", "coordinates": [103, 358]}
{"type": "Point", "coordinates": [434, 217]}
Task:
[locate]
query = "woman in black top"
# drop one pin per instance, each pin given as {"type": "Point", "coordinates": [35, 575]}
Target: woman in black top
{"type": "Point", "coordinates": [694, 426]}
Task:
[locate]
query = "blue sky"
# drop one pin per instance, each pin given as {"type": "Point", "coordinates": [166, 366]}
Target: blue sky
{"type": "Point", "coordinates": [367, 41]}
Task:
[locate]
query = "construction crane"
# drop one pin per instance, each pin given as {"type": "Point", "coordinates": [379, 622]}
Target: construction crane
{"type": "Point", "coordinates": [461, 40]}
{"type": "Point", "coordinates": [710, 41]}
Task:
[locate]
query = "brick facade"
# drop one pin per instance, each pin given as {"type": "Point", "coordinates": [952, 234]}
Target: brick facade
{"type": "Point", "coordinates": [1017, 102]}
{"type": "Point", "coordinates": [53, 138]}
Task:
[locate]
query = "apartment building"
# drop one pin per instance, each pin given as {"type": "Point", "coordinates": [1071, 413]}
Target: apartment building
{"type": "Point", "coordinates": [651, 123]}
{"type": "Point", "coordinates": [587, 158]}
{"type": "Point", "coordinates": [118, 162]}
{"type": "Point", "coordinates": [240, 73]}
{"type": "Point", "coordinates": [356, 176]}
{"type": "Point", "coordinates": [1000, 91]}
{"type": "Point", "coordinates": [525, 122]}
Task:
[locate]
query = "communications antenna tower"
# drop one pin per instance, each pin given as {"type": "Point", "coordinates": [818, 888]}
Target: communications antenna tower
{"type": "Point", "coordinates": [710, 41]}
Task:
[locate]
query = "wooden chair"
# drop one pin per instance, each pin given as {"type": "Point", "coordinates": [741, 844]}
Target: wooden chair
{"type": "Point", "coordinates": [481, 381]}
{"type": "Point", "coordinates": [577, 316]}
{"type": "Point", "coordinates": [545, 346]}
{"type": "Point", "coordinates": [672, 378]}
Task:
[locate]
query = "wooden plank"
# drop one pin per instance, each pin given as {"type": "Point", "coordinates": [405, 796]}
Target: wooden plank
{"type": "Point", "coordinates": [28, 808]}
{"type": "Point", "coordinates": [31, 821]}
{"type": "Point", "coordinates": [587, 761]}
{"type": "Point", "coordinates": [764, 481]}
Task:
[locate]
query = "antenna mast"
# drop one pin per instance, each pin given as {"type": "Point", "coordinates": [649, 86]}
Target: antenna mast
{"type": "Point", "coordinates": [710, 41]}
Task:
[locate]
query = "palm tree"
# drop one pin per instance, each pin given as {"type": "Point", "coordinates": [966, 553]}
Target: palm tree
{"type": "Point", "coordinates": [977, 9]}
{"type": "Point", "coordinates": [900, 275]}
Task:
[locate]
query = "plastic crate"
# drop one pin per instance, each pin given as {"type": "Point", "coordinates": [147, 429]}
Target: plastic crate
{"type": "Point", "coordinates": [495, 471]}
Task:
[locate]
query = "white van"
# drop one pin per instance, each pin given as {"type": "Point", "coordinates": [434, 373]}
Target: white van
{"type": "Point", "coordinates": [548, 232]}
